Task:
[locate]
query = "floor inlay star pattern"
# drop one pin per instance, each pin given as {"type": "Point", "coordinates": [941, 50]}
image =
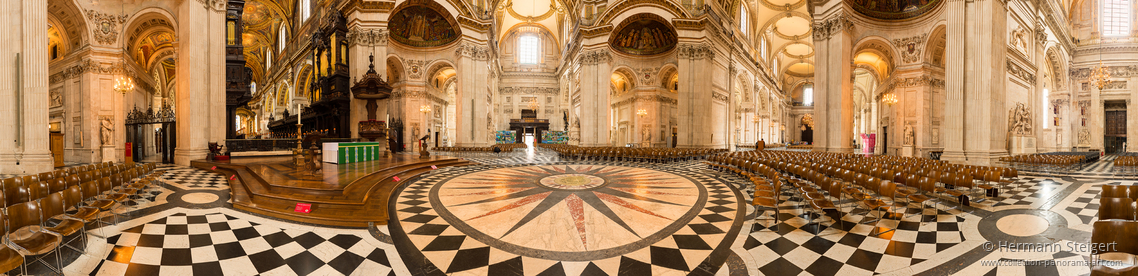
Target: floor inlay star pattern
{"type": "Point", "coordinates": [616, 220]}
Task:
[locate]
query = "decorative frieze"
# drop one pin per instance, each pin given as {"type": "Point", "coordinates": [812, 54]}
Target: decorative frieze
{"type": "Point", "coordinates": [106, 29]}
{"type": "Point", "coordinates": [367, 37]}
{"type": "Point", "coordinates": [596, 32]}
{"type": "Point", "coordinates": [473, 51]}
{"type": "Point", "coordinates": [645, 98]}
{"type": "Point", "coordinates": [214, 5]}
{"type": "Point", "coordinates": [695, 51]}
{"type": "Point", "coordinates": [84, 66]}
{"type": "Point", "coordinates": [826, 29]}
{"type": "Point", "coordinates": [919, 81]}
{"type": "Point", "coordinates": [647, 76]}
{"type": "Point", "coordinates": [1019, 72]}
{"type": "Point", "coordinates": [594, 57]}
{"type": "Point", "coordinates": [1115, 72]}
{"type": "Point", "coordinates": [719, 96]}
{"type": "Point", "coordinates": [418, 95]}
{"type": "Point", "coordinates": [473, 24]}
{"type": "Point", "coordinates": [528, 90]}
{"type": "Point", "coordinates": [911, 47]}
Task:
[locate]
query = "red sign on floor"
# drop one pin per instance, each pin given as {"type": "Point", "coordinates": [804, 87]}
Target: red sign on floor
{"type": "Point", "coordinates": [434, 168]}
{"type": "Point", "coordinates": [303, 208]}
{"type": "Point", "coordinates": [396, 178]}
{"type": "Point", "coordinates": [213, 168]}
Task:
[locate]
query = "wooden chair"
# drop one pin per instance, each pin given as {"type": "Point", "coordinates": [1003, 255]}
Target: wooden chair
{"type": "Point", "coordinates": [1109, 191]}
{"type": "Point", "coordinates": [9, 258]}
{"type": "Point", "coordinates": [54, 206]}
{"type": "Point", "coordinates": [27, 233]}
{"type": "Point", "coordinates": [1116, 208]}
{"type": "Point", "coordinates": [1121, 233]}
{"type": "Point", "coordinates": [763, 204]}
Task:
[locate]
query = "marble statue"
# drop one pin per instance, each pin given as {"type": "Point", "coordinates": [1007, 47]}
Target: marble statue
{"type": "Point", "coordinates": [106, 130]}
{"type": "Point", "coordinates": [1084, 137]}
{"type": "Point", "coordinates": [1019, 121]}
{"type": "Point", "coordinates": [909, 134]}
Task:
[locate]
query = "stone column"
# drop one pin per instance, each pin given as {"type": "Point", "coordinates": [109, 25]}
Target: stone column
{"type": "Point", "coordinates": [695, 95]}
{"type": "Point", "coordinates": [833, 98]}
{"type": "Point", "coordinates": [953, 132]}
{"type": "Point", "coordinates": [8, 49]}
{"type": "Point", "coordinates": [595, 111]}
{"type": "Point", "coordinates": [984, 107]}
{"type": "Point", "coordinates": [474, 127]}
{"type": "Point", "coordinates": [362, 44]}
{"type": "Point", "coordinates": [200, 89]}
{"type": "Point", "coordinates": [25, 138]}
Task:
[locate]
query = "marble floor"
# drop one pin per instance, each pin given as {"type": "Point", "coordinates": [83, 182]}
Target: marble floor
{"type": "Point", "coordinates": [534, 214]}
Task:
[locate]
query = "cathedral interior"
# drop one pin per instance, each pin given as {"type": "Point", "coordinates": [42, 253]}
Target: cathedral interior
{"type": "Point", "coordinates": [568, 137]}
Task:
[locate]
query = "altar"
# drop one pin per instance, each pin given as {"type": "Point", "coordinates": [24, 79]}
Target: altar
{"type": "Point", "coordinates": [343, 153]}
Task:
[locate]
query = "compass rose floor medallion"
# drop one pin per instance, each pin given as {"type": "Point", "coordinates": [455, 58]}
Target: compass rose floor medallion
{"type": "Point", "coordinates": [570, 219]}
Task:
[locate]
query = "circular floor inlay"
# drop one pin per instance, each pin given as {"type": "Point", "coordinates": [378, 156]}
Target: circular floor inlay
{"type": "Point", "coordinates": [572, 181]}
{"type": "Point", "coordinates": [1022, 225]}
{"type": "Point", "coordinates": [199, 198]}
{"type": "Point", "coordinates": [568, 209]}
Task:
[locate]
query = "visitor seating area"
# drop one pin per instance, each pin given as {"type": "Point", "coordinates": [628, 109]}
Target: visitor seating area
{"type": "Point", "coordinates": [1116, 225]}
{"type": "Point", "coordinates": [872, 183]}
{"type": "Point", "coordinates": [43, 213]}
{"type": "Point", "coordinates": [570, 152]}
{"type": "Point", "coordinates": [800, 147]}
{"type": "Point", "coordinates": [475, 151]}
{"type": "Point", "coordinates": [1050, 161]}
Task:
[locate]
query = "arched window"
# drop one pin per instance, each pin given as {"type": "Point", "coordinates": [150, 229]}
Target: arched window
{"type": "Point", "coordinates": [808, 94]}
{"type": "Point", "coordinates": [268, 60]}
{"type": "Point", "coordinates": [529, 48]}
{"type": "Point", "coordinates": [305, 9]}
{"type": "Point", "coordinates": [743, 19]}
{"type": "Point", "coordinates": [252, 88]}
{"type": "Point", "coordinates": [282, 38]}
{"type": "Point", "coordinates": [1116, 17]}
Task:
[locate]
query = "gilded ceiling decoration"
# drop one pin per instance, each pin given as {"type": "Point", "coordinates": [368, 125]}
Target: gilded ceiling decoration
{"type": "Point", "coordinates": [643, 34]}
{"type": "Point", "coordinates": [893, 9]}
{"type": "Point", "coordinates": [424, 24]}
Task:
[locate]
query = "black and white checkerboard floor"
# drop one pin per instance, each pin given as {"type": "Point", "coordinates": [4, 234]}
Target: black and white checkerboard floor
{"type": "Point", "coordinates": [191, 178]}
{"type": "Point", "coordinates": [227, 242]}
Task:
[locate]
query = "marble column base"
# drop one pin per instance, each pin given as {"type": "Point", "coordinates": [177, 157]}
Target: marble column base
{"type": "Point", "coordinates": [36, 163]}
{"type": "Point", "coordinates": [907, 151]}
{"type": "Point", "coordinates": [954, 156]}
{"type": "Point", "coordinates": [183, 156]}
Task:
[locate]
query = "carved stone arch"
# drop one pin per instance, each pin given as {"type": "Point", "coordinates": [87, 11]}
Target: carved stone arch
{"type": "Point", "coordinates": [881, 47]}
{"type": "Point", "coordinates": [73, 21]}
{"type": "Point", "coordinates": [617, 12]}
{"type": "Point", "coordinates": [405, 28]}
{"type": "Point", "coordinates": [141, 22]}
{"type": "Point", "coordinates": [773, 19]}
{"type": "Point", "coordinates": [395, 72]}
{"type": "Point", "coordinates": [619, 86]}
{"type": "Point", "coordinates": [62, 38]}
{"type": "Point", "coordinates": [435, 66]}
{"type": "Point", "coordinates": [669, 77]}
{"type": "Point", "coordinates": [784, 69]}
{"type": "Point", "coordinates": [1057, 65]}
{"type": "Point", "coordinates": [935, 45]}
{"type": "Point", "coordinates": [304, 81]}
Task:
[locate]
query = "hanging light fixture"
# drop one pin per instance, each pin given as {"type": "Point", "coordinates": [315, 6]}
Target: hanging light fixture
{"type": "Point", "coordinates": [1100, 77]}
{"type": "Point", "coordinates": [641, 112]}
{"type": "Point", "coordinates": [123, 83]}
{"type": "Point", "coordinates": [889, 98]}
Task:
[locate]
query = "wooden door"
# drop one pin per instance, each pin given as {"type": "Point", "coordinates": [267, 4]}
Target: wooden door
{"type": "Point", "coordinates": [57, 149]}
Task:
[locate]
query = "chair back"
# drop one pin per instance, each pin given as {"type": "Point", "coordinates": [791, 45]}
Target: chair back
{"type": "Point", "coordinates": [1120, 232]}
{"type": "Point", "coordinates": [1116, 208]}
{"type": "Point", "coordinates": [38, 190]}
{"type": "Point", "coordinates": [104, 185]}
{"type": "Point", "coordinates": [53, 205]}
{"type": "Point", "coordinates": [1110, 191]}
{"type": "Point", "coordinates": [24, 214]}
{"type": "Point", "coordinates": [15, 192]}
{"type": "Point", "coordinates": [72, 196]}
{"type": "Point", "coordinates": [89, 189]}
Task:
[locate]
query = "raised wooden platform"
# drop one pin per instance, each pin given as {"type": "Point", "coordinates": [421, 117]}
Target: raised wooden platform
{"type": "Point", "coordinates": [346, 195]}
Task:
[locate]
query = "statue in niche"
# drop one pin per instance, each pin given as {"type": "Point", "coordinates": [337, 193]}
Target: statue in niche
{"type": "Point", "coordinates": [1020, 120]}
{"type": "Point", "coordinates": [1019, 39]}
{"type": "Point", "coordinates": [106, 130]}
{"type": "Point", "coordinates": [910, 136]}
{"type": "Point", "coordinates": [56, 98]}
{"type": "Point", "coordinates": [647, 135]}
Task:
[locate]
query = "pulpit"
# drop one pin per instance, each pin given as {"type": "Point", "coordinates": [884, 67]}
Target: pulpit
{"type": "Point", "coordinates": [372, 88]}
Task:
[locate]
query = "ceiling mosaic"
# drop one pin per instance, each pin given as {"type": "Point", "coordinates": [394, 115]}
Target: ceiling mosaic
{"type": "Point", "coordinates": [893, 9]}
{"type": "Point", "coordinates": [423, 25]}
{"type": "Point", "coordinates": [643, 34]}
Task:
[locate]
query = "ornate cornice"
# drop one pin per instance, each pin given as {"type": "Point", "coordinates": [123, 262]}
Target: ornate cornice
{"type": "Point", "coordinates": [594, 57]}
{"type": "Point", "coordinates": [473, 24]}
{"type": "Point", "coordinates": [106, 29]}
{"type": "Point", "coordinates": [826, 29]}
{"type": "Point", "coordinates": [596, 32]}
{"type": "Point", "coordinates": [910, 47]}
{"type": "Point", "coordinates": [366, 5]}
{"type": "Point", "coordinates": [719, 96]}
{"type": "Point", "coordinates": [1115, 71]}
{"type": "Point", "coordinates": [695, 51]}
{"type": "Point", "coordinates": [689, 24]}
{"type": "Point", "coordinates": [367, 37]}
{"type": "Point", "coordinates": [528, 90]}
{"type": "Point", "coordinates": [214, 5]}
{"type": "Point", "coordinates": [918, 81]}
{"type": "Point", "coordinates": [87, 66]}
{"type": "Point", "coordinates": [473, 51]}
{"type": "Point", "coordinates": [1018, 71]}
{"type": "Point", "coordinates": [417, 95]}
{"type": "Point", "coordinates": [645, 98]}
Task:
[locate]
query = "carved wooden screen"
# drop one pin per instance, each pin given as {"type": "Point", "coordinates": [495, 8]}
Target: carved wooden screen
{"type": "Point", "coordinates": [1115, 123]}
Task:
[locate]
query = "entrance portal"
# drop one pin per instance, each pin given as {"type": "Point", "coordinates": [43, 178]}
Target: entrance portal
{"type": "Point", "coordinates": [1114, 132]}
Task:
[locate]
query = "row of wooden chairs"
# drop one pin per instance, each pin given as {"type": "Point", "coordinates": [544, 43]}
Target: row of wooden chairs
{"type": "Point", "coordinates": [629, 154]}
{"type": "Point", "coordinates": [33, 202]}
{"type": "Point", "coordinates": [1044, 159]}
{"type": "Point", "coordinates": [1126, 161]}
{"type": "Point", "coordinates": [467, 151]}
{"type": "Point", "coordinates": [857, 177]}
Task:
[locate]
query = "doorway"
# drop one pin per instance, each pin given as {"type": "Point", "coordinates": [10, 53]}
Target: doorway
{"type": "Point", "coordinates": [884, 141]}
{"type": "Point", "coordinates": [1114, 131]}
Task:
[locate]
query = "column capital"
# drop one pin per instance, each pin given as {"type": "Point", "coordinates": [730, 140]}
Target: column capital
{"type": "Point", "coordinates": [367, 37]}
